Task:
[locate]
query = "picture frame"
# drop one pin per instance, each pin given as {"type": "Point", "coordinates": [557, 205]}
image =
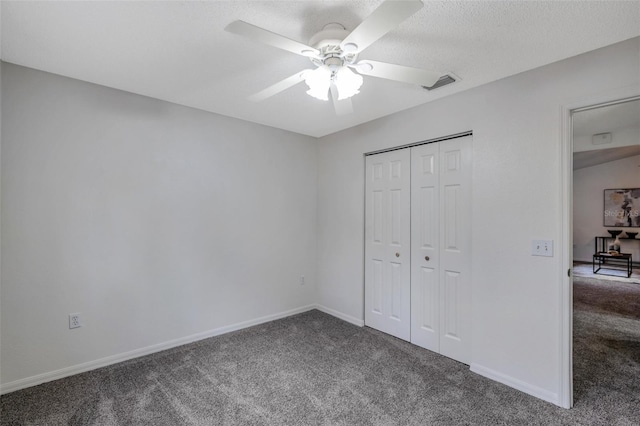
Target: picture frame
{"type": "Point", "coordinates": [621, 208]}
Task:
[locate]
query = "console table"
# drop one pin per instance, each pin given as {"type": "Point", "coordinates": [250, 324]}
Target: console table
{"type": "Point", "coordinates": [601, 243]}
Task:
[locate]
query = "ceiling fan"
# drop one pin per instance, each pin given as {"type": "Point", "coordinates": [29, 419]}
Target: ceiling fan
{"type": "Point", "coordinates": [334, 52]}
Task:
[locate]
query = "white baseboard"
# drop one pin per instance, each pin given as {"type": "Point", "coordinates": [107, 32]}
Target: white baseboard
{"type": "Point", "coordinates": [344, 317]}
{"type": "Point", "coordinates": [517, 384]}
{"type": "Point", "coordinates": [114, 359]}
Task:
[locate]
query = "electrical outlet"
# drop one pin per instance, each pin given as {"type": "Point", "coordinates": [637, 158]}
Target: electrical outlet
{"type": "Point", "coordinates": [74, 321]}
{"type": "Point", "coordinates": [542, 248]}
{"type": "Point", "coordinates": [301, 279]}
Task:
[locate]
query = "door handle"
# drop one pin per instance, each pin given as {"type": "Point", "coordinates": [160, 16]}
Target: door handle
{"type": "Point", "coordinates": [397, 254]}
{"type": "Point", "coordinates": [426, 258]}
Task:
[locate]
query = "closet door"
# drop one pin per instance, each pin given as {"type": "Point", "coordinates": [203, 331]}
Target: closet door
{"type": "Point", "coordinates": [455, 249]}
{"type": "Point", "coordinates": [425, 246]}
{"type": "Point", "coordinates": [387, 243]}
{"type": "Point", "coordinates": [441, 242]}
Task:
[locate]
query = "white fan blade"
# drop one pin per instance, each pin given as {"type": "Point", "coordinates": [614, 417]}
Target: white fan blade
{"type": "Point", "coordinates": [343, 107]}
{"type": "Point", "coordinates": [272, 39]}
{"type": "Point", "coordinates": [398, 73]}
{"type": "Point", "coordinates": [280, 86]}
{"type": "Point", "coordinates": [386, 17]}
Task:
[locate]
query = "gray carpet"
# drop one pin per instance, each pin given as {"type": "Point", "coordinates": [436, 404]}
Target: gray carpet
{"type": "Point", "coordinates": [606, 358]}
{"type": "Point", "coordinates": [585, 270]}
{"type": "Point", "coordinates": [313, 369]}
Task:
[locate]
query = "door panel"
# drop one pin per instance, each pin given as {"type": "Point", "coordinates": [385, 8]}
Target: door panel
{"type": "Point", "coordinates": [425, 244]}
{"type": "Point", "coordinates": [377, 279]}
{"type": "Point", "coordinates": [426, 296]}
{"type": "Point", "coordinates": [455, 240]}
{"type": "Point", "coordinates": [397, 292]}
{"type": "Point", "coordinates": [450, 305]}
{"type": "Point", "coordinates": [387, 243]}
{"type": "Point", "coordinates": [377, 218]}
{"type": "Point", "coordinates": [451, 200]}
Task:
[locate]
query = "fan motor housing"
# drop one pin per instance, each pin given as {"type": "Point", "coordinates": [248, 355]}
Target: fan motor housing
{"type": "Point", "coordinates": [331, 34]}
{"type": "Point", "coordinates": [328, 41]}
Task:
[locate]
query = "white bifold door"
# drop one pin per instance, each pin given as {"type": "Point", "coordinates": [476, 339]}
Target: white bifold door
{"type": "Point", "coordinates": [417, 249]}
{"type": "Point", "coordinates": [388, 243]}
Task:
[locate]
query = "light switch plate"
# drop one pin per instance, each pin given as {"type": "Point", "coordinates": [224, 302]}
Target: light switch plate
{"type": "Point", "coordinates": [542, 248]}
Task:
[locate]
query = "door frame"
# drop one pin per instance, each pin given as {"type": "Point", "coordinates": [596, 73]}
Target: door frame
{"type": "Point", "coordinates": [566, 219]}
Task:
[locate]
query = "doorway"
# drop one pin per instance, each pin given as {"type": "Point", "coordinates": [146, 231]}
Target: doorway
{"type": "Point", "coordinates": [600, 157]}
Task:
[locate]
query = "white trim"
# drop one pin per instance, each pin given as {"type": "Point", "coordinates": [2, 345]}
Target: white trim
{"type": "Point", "coordinates": [516, 383]}
{"type": "Point", "coordinates": [566, 251]}
{"type": "Point", "coordinates": [565, 376]}
{"type": "Point", "coordinates": [340, 315]}
{"type": "Point", "coordinates": [114, 359]}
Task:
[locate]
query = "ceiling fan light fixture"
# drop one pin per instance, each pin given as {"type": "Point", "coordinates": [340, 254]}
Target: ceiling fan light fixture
{"type": "Point", "coordinates": [347, 82]}
{"type": "Point", "coordinates": [334, 51]}
{"type": "Point", "coordinates": [319, 82]}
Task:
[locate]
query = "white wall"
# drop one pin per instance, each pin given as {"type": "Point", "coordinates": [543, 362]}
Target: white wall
{"type": "Point", "coordinates": [154, 221]}
{"type": "Point", "coordinates": [588, 204]}
{"type": "Point", "coordinates": [517, 126]}
{"type": "Point", "coordinates": [626, 136]}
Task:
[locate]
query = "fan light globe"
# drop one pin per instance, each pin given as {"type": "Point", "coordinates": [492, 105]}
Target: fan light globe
{"type": "Point", "coordinates": [319, 82]}
{"type": "Point", "coordinates": [347, 82]}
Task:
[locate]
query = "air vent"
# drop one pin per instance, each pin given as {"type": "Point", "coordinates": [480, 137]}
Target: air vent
{"type": "Point", "coordinates": [443, 81]}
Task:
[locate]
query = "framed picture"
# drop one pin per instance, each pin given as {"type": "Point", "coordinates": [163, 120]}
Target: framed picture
{"type": "Point", "coordinates": [622, 207]}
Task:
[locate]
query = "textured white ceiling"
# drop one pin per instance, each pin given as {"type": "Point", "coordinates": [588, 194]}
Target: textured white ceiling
{"type": "Point", "coordinates": [179, 52]}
